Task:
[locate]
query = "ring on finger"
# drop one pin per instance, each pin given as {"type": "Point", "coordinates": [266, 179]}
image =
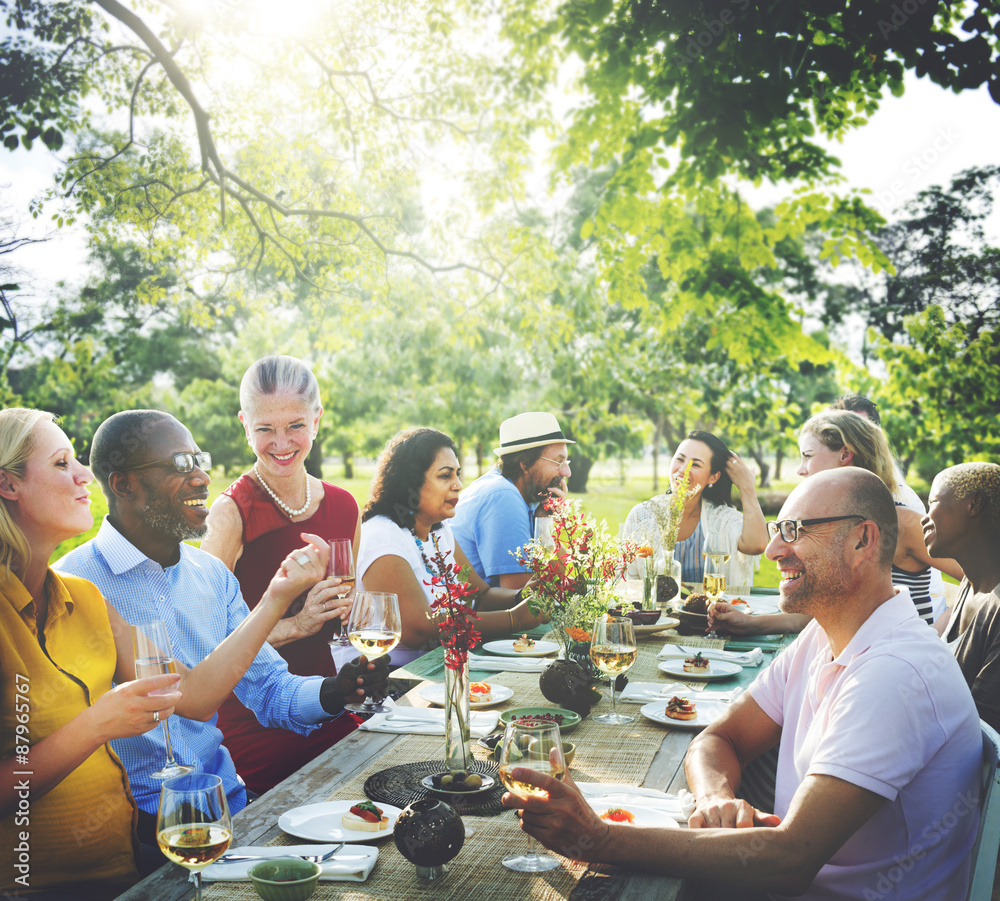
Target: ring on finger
{"type": "Point", "coordinates": [156, 716]}
{"type": "Point", "coordinates": [302, 559]}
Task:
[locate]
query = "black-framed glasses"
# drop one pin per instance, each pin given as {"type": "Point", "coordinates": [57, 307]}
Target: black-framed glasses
{"type": "Point", "coordinates": [182, 462]}
{"type": "Point", "coordinates": [789, 528]}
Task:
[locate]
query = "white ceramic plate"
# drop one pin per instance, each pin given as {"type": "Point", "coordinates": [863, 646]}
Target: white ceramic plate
{"type": "Point", "coordinates": [707, 713]}
{"type": "Point", "coordinates": [322, 822]}
{"type": "Point", "coordinates": [644, 816]}
{"type": "Point", "coordinates": [488, 783]}
{"type": "Point", "coordinates": [506, 649]}
{"type": "Point", "coordinates": [757, 605]}
{"type": "Point", "coordinates": [717, 669]}
{"type": "Point", "coordinates": [434, 694]}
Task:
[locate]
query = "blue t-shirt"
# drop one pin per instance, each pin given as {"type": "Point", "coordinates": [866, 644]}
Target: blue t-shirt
{"type": "Point", "coordinates": [492, 520]}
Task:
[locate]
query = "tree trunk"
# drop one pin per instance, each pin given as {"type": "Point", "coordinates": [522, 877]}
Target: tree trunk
{"type": "Point", "coordinates": [348, 465]}
{"type": "Point", "coordinates": [779, 456]}
{"type": "Point", "coordinates": [577, 482]}
{"type": "Point", "coordinates": [314, 462]}
{"type": "Point", "coordinates": [479, 456]}
{"type": "Point", "coordinates": [763, 466]}
{"type": "Point", "coordinates": [657, 438]}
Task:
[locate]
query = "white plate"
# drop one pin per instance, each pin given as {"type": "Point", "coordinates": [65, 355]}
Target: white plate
{"type": "Point", "coordinates": [644, 816]}
{"type": "Point", "coordinates": [757, 605]}
{"type": "Point", "coordinates": [322, 822]}
{"type": "Point", "coordinates": [434, 694]}
{"type": "Point", "coordinates": [488, 783]}
{"type": "Point", "coordinates": [717, 669]}
{"type": "Point", "coordinates": [506, 649]}
{"type": "Point", "coordinates": [707, 713]}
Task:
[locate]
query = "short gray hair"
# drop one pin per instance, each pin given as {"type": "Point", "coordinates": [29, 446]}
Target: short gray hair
{"type": "Point", "coordinates": [279, 374]}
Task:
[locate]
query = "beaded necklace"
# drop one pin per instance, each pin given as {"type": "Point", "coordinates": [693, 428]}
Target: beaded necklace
{"type": "Point", "coordinates": [420, 547]}
{"type": "Point", "coordinates": [289, 512]}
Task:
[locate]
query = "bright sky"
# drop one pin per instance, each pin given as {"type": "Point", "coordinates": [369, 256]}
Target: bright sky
{"type": "Point", "coordinates": [920, 139]}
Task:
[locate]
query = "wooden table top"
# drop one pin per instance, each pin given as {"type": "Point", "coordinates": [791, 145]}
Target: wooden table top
{"type": "Point", "coordinates": [321, 778]}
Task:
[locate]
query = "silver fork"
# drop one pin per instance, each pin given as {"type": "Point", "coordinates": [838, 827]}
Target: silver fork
{"type": "Point", "coordinates": [314, 858]}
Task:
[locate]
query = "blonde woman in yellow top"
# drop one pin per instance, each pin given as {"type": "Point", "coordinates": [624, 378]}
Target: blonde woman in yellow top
{"type": "Point", "coordinates": [67, 677]}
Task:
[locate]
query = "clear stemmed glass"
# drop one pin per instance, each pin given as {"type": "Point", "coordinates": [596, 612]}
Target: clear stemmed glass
{"type": "Point", "coordinates": [374, 629]}
{"type": "Point", "coordinates": [193, 826]}
{"type": "Point", "coordinates": [341, 567]}
{"type": "Point", "coordinates": [155, 657]}
{"type": "Point", "coordinates": [535, 747]}
{"type": "Point", "coordinates": [613, 651]}
{"type": "Point", "coordinates": [713, 581]}
{"type": "Point", "coordinates": [544, 534]}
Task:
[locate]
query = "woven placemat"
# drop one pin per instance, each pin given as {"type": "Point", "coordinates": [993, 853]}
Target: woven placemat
{"type": "Point", "coordinates": [401, 785]}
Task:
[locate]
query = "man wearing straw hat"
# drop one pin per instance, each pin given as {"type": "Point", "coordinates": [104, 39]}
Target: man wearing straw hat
{"type": "Point", "coordinates": [496, 513]}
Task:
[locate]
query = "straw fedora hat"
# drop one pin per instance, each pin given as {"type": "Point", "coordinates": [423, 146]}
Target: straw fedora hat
{"type": "Point", "coordinates": [527, 430]}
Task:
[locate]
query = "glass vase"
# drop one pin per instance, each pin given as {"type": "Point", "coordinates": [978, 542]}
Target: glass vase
{"type": "Point", "coordinates": [457, 739]}
{"type": "Point", "coordinates": [668, 583]}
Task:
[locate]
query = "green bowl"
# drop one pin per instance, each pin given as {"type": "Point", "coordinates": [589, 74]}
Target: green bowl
{"type": "Point", "coordinates": [285, 878]}
{"type": "Point", "coordinates": [569, 722]}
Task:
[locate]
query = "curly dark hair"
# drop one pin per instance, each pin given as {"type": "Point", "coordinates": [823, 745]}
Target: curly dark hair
{"type": "Point", "coordinates": [721, 492]}
{"type": "Point", "coordinates": [400, 474]}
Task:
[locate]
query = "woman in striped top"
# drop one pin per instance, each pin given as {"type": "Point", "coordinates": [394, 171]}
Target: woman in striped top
{"type": "Point", "coordinates": [834, 438]}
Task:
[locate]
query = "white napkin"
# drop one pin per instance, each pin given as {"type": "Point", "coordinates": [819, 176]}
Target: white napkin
{"type": "Point", "coordinates": [743, 658]}
{"type": "Point", "coordinates": [425, 721]}
{"type": "Point", "coordinates": [508, 664]}
{"type": "Point", "coordinates": [644, 692]}
{"type": "Point", "coordinates": [644, 797]}
{"type": "Point", "coordinates": [353, 863]}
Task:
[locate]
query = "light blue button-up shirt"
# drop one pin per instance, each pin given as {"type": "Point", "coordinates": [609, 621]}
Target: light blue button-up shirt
{"type": "Point", "coordinates": [200, 601]}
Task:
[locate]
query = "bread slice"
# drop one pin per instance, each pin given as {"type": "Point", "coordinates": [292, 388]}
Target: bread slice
{"type": "Point", "coordinates": [681, 709]}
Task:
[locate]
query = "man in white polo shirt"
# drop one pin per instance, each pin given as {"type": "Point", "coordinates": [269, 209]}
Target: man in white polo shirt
{"type": "Point", "coordinates": [880, 750]}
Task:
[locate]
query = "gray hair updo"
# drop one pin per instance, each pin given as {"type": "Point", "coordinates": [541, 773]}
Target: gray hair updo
{"type": "Point", "coordinates": [279, 374]}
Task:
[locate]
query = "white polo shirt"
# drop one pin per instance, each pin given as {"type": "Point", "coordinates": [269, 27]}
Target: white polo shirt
{"type": "Point", "coordinates": [893, 715]}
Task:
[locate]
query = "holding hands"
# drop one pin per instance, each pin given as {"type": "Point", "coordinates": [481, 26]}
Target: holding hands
{"type": "Point", "coordinates": [299, 572]}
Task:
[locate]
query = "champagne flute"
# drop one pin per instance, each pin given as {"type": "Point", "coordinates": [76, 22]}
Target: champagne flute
{"type": "Point", "coordinates": [713, 581]}
{"type": "Point", "coordinates": [193, 826]}
{"type": "Point", "coordinates": [155, 657]}
{"type": "Point", "coordinates": [535, 747]}
{"type": "Point", "coordinates": [341, 567]}
{"type": "Point", "coordinates": [613, 651]}
{"type": "Point", "coordinates": [374, 629]}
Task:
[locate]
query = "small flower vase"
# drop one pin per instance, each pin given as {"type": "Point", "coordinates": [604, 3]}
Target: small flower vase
{"type": "Point", "coordinates": [649, 571]}
{"type": "Point", "coordinates": [668, 582]}
{"type": "Point", "coordinates": [457, 739]}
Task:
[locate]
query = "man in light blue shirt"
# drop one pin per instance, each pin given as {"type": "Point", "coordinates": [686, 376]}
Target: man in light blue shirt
{"type": "Point", "coordinates": [154, 478]}
{"type": "Point", "coordinates": [495, 514]}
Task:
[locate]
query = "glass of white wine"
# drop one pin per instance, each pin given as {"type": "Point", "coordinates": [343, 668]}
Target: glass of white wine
{"type": "Point", "coordinates": [193, 826]}
{"type": "Point", "coordinates": [155, 657]}
{"type": "Point", "coordinates": [613, 651]}
{"type": "Point", "coordinates": [374, 629]}
{"type": "Point", "coordinates": [713, 581]}
{"type": "Point", "coordinates": [341, 567]}
{"type": "Point", "coordinates": [534, 747]}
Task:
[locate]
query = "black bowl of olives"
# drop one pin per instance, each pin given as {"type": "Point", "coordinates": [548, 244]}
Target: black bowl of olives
{"type": "Point", "coordinates": [458, 782]}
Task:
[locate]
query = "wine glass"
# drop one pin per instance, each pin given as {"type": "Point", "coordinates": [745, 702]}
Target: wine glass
{"type": "Point", "coordinates": [193, 826]}
{"type": "Point", "coordinates": [155, 657]}
{"type": "Point", "coordinates": [544, 533]}
{"type": "Point", "coordinates": [613, 651]}
{"type": "Point", "coordinates": [535, 746]}
{"type": "Point", "coordinates": [374, 629]}
{"type": "Point", "coordinates": [713, 581]}
{"type": "Point", "coordinates": [341, 567]}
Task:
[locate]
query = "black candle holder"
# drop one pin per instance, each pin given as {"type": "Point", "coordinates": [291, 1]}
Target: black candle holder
{"type": "Point", "coordinates": [429, 833]}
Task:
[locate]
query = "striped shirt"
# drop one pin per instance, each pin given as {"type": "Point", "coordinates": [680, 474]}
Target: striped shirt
{"type": "Point", "coordinates": [689, 552]}
{"type": "Point", "coordinates": [200, 602]}
{"type": "Point", "coordinates": [920, 590]}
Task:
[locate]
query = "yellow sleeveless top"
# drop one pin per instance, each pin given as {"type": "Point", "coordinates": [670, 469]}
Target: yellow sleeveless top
{"type": "Point", "coordinates": [84, 828]}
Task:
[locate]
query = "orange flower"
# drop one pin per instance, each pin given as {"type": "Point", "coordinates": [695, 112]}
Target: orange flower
{"type": "Point", "coordinates": [644, 551]}
{"type": "Point", "coordinates": [578, 634]}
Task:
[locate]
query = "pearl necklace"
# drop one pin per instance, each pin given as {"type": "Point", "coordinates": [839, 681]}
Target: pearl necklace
{"type": "Point", "coordinates": [288, 510]}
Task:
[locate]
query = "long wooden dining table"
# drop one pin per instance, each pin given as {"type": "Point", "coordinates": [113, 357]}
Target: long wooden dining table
{"type": "Point", "coordinates": [641, 753]}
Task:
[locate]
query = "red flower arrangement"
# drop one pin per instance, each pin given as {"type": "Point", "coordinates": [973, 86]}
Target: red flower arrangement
{"type": "Point", "coordinates": [458, 628]}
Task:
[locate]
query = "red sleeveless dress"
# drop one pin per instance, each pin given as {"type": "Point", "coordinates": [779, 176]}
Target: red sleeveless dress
{"type": "Point", "coordinates": [264, 756]}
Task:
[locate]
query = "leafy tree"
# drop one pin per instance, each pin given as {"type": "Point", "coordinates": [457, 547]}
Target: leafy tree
{"type": "Point", "coordinates": [942, 393]}
{"type": "Point", "coordinates": [309, 142]}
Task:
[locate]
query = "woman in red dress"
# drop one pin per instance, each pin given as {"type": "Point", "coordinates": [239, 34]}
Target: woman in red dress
{"type": "Point", "coordinates": [252, 526]}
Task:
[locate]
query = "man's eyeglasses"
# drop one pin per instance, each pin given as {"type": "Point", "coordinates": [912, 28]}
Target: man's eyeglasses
{"type": "Point", "coordinates": [182, 462]}
{"type": "Point", "coordinates": [789, 528]}
{"type": "Point", "coordinates": [559, 463]}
